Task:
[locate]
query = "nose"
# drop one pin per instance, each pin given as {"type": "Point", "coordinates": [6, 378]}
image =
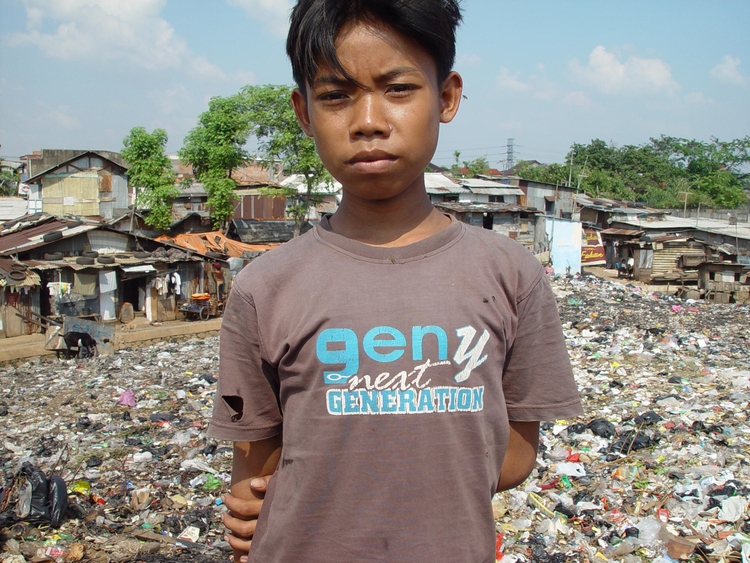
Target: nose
{"type": "Point", "coordinates": [369, 118]}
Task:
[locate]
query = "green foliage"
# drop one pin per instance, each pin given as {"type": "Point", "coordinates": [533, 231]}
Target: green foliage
{"type": "Point", "coordinates": [273, 123]}
{"type": "Point", "coordinates": [8, 183]}
{"type": "Point", "coordinates": [661, 173]}
{"type": "Point", "coordinates": [722, 189]}
{"type": "Point", "coordinates": [215, 147]}
{"type": "Point", "coordinates": [151, 174]}
{"type": "Point", "coordinates": [550, 173]}
{"type": "Point", "coordinates": [469, 168]}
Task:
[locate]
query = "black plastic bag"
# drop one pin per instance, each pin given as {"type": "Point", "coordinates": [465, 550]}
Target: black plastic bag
{"type": "Point", "coordinates": [37, 498]}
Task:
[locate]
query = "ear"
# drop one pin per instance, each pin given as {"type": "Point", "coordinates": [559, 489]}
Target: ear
{"type": "Point", "coordinates": [450, 97]}
{"type": "Point", "coordinates": [299, 103]}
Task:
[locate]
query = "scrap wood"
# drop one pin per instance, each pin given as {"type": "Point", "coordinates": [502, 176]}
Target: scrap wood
{"type": "Point", "coordinates": [148, 535]}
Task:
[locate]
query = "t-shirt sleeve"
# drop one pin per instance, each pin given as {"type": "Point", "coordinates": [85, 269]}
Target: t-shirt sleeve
{"type": "Point", "coordinates": [246, 406]}
{"type": "Point", "coordinates": [538, 381]}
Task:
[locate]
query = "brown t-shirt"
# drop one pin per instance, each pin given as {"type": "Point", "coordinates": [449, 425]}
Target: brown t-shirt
{"type": "Point", "coordinates": [393, 372]}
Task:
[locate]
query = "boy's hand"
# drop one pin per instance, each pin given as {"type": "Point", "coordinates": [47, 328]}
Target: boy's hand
{"type": "Point", "coordinates": [243, 516]}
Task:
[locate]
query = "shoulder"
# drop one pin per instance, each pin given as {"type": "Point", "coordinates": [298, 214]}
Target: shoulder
{"type": "Point", "coordinates": [513, 264]}
{"type": "Point", "coordinates": [277, 264]}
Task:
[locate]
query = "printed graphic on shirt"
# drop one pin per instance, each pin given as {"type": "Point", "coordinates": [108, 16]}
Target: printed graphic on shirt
{"type": "Point", "coordinates": [400, 392]}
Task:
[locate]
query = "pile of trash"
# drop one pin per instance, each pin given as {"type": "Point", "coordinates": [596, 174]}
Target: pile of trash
{"type": "Point", "coordinates": [106, 459]}
{"type": "Point", "coordinates": [127, 434]}
{"type": "Point", "coordinates": [658, 467]}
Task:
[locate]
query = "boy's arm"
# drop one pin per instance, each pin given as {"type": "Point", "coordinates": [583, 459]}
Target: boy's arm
{"type": "Point", "coordinates": [520, 457]}
{"type": "Point", "coordinates": [250, 460]}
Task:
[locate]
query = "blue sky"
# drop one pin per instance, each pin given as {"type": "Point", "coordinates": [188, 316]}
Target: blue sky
{"type": "Point", "coordinates": [82, 73]}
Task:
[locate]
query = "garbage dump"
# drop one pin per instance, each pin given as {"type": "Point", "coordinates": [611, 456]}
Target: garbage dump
{"type": "Point", "coordinates": [106, 459]}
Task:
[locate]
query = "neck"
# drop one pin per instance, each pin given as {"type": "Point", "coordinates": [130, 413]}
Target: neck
{"type": "Point", "coordinates": [388, 223]}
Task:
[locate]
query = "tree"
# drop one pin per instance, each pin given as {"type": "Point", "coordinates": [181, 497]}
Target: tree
{"type": "Point", "coordinates": [151, 174]}
{"type": "Point", "coordinates": [215, 147]}
{"type": "Point", "coordinates": [550, 173]}
{"type": "Point", "coordinates": [470, 168]}
{"type": "Point", "coordinates": [273, 123]}
{"type": "Point", "coordinates": [658, 172]}
{"type": "Point", "coordinates": [8, 183]}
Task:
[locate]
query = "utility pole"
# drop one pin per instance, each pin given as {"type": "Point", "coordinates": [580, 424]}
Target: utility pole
{"type": "Point", "coordinates": [570, 174]}
{"type": "Point", "coordinates": [582, 174]}
{"type": "Point", "coordinates": [684, 211]}
{"type": "Point", "coordinates": [510, 161]}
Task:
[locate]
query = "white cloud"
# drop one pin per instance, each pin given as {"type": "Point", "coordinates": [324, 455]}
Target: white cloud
{"type": "Point", "coordinates": [538, 85]}
{"type": "Point", "coordinates": [171, 100]}
{"type": "Point", "coordinates": [201, 68]}
{"type": "Point", "coordinates": [468, 59]}
{"type": "Point", "coordinates": [273, 13]}
{"type": "Point", "coordinates": [510, 126]}
{"type": "Point", "coordinates": [696, 98]}
{"type": "Point", "coordinates": [635, 76]}
{"type": "Point", "coordinates": [61, 115]}
{"type": "Point", "coordinates": [728, 71]}
{"type": "Point", "coordinates": [507, 82]}
{"type": "Point", "coordinates": [125, 31]}
{"type": "Point", "coordinates": [246, 77]}
{"type": "Point", "coordinates": [576, 98]}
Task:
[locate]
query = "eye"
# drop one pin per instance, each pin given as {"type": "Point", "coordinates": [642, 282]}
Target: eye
{"type": "Point", "coordinates": [401, 90]}
{"type": "Point", "coordinates": [331, 96]}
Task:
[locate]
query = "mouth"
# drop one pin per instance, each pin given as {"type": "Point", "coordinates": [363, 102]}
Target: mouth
{"type": "Point", "coordinates": [371, 161]}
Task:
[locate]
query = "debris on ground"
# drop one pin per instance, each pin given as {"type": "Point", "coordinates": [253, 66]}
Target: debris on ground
{"type": "Point", "coordinates": [657, 469]}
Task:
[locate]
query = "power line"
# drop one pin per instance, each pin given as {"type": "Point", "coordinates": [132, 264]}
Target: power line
{"type": "Point", "coordinates": [462, 151]}
{"type": "Point", "coordinates": [509, 158]}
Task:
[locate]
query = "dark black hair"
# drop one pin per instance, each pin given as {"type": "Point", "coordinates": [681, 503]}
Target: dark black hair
{"type": "Point", "coordinates": [315, 24]}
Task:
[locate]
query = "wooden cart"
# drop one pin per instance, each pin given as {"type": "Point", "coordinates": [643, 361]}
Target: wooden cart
{"type": "Point", "coordinates": [201, 306]}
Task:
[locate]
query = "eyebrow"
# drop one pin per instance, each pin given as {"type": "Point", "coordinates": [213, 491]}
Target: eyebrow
{"type": "Point", "coordinates": [337, 79]}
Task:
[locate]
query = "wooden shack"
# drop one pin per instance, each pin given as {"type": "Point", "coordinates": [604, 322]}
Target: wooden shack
{"type": "Point", "coordinates": [666, 259]}
{"type": "Point", "coordinates": [724, 282]}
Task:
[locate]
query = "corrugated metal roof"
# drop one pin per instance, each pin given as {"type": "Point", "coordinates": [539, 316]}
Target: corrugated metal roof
{"type": "Point", "coordinates": [480, 183]}
{"type": "Point", "coordinates": [255, 231]}
{"type": "Point", "coordinates": [299, 182]}
{"type": "Point", "coordinates": [616, 206]}
{"type": "Point", "coordinates": [622, 232]}
{"type": "Point", "coordinates": [214, 241]}
{"type": "Point", "coordinates": [707, 225]}
{"type": "Point", "coordinates": [8, 265]}
{"type": "Point", "coordinates": [497, 191]}
{"type": "Point", "coordinates": [474, 207]}
{"type": "Point", "coordinates": [436, 183]}
{"type": "Point", "coordinates": [76, 157]}
{"type": "Point", "coordinates": [12, 208]}
{"type": "Point", "coordinates": [122, 260]}
{"type": "Point", "coordinates": [33, 237]}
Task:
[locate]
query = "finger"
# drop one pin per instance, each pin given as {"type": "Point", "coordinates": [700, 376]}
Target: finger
{"type": "Point", "coordinates": [260, 484]}
{"type": "Point", "coordinates": [242, 508]}
{"type": "Point", "coordinates": [240, 528]}
{"type": "Point", "coordinates": [240, 546]}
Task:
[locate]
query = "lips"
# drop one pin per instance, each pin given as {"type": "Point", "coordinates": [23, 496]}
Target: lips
{"type": "Point", "coordinates": [371, 161]}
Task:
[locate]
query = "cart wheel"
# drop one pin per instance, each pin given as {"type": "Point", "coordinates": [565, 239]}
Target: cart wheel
{"type": "Point", "coordinates": [203, 313]}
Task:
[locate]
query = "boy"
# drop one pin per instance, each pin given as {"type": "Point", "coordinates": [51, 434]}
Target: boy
{"type": "Point", "coordinates": [391, 366]}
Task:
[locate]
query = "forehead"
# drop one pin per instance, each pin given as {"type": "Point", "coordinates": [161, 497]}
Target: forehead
{"type": "Point", "coordinates": [375, 48]}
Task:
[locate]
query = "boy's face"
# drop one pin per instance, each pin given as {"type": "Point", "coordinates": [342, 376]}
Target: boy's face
{"type": "Point", "coordinates": [376, 138]}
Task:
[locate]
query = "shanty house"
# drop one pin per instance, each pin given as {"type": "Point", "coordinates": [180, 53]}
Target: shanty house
{"type": "Point", "coordinates": [724, 282]}
{"type": "Point", "coordinates": [487, 191]}
{"type": "Point", "coordinates": [667, 258]}
{"type": "Point", "coordinates": [441, 189]}
{"type": "Point", "coordinates": [88, 269]}
{"type": "Point", "coordinates": [88, 184]}
{"type": "Point", "coordinates": [19, 299]}
{"type": "Point", "coordinates": [515, 221]}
